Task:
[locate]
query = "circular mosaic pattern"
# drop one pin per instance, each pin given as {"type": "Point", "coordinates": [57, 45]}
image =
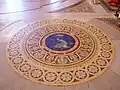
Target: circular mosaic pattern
{"type": "Point", "coordinates": [60, 52]}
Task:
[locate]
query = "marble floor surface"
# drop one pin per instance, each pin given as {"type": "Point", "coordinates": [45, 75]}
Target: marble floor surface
{"type": "Point", "coordinates": [20, 13]}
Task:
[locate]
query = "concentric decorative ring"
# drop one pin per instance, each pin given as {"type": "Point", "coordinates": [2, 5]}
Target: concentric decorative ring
{"type": "Point", "coordinates": [60, 52]}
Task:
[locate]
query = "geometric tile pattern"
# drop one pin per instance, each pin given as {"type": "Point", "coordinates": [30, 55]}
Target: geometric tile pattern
{"type": "Point", "coordinates": [82, 6]}
{"type": "Point", "coordinates": [60, 52]}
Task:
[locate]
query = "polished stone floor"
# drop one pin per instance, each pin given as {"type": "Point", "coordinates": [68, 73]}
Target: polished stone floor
{"type": "Point", "coordinates": [18, 14]}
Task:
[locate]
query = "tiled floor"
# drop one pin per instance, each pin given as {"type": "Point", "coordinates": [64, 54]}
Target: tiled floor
{"type": "Point", "coordinates": [28, 11]}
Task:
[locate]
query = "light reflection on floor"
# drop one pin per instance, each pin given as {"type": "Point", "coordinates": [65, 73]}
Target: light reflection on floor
{"type": "Point", "coordinates": [14, 5]}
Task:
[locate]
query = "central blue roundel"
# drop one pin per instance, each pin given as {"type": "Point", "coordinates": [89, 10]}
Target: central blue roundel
{"type": "Point", "coordinates": [60, 42]}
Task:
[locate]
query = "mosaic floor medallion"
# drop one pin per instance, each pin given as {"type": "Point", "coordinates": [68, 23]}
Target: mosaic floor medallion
{"type": "Point", "coordinates": [60, 52]}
